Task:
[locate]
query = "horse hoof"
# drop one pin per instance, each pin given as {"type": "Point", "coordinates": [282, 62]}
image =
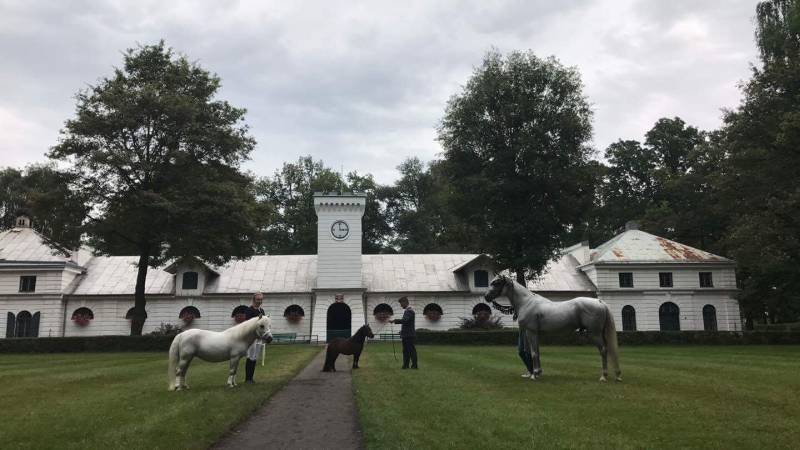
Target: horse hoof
{"type": "Point", "coordinates": [618, 380]}
{"type": "Point", "coordinates": [603, 379]}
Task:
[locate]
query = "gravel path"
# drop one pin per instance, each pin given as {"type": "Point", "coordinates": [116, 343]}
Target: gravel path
{"type": "Point", "coordinates": [315, 410]}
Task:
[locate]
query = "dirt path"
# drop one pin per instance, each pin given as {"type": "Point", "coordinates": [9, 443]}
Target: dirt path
{"type": "Point", "coordinates": [315, 410]}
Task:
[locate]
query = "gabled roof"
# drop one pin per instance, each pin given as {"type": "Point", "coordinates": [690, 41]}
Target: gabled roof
{"type": "Point", "coordinates": [636, 246]}
{"type": "Point", "coordinates": [474, 260]}
{"type": "Point", "coordinates": [562, 274]}
{"type": "Point", "coordinates": [191, 261]}
{"type": "Point", "coordinates": [26, 245]}
{"type": "Point", "coordinates": [410, 273]}
{"type": "Point", "coordinates": [116, 275]}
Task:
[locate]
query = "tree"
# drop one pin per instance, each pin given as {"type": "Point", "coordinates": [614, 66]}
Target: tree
{"type": "Point", "coordinates": [157, 156]}
{"type": "Point", "coordinates": [45, 194]}
{"type": "Point", "coordinates": [290, 195]}
{"type": "Point", "coordinates": [418, 209]}
{"type": "Point", "coordinates": [516, 151]}
{"type": "Point", "coordinates": [762, 137]}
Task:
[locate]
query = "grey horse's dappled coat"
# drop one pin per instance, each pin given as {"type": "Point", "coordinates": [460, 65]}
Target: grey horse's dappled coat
{"type": "Point", "coordinates": [537, 314]}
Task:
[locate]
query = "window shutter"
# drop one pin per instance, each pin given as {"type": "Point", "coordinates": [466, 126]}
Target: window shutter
{"type": "Point", "coordinates": [11, 323]}
{"type": "Point", "coordinates": [35, 325]}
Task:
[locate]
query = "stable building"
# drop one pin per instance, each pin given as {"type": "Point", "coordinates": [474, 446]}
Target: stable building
{"type": "Point", "coordinates": [649, 282]}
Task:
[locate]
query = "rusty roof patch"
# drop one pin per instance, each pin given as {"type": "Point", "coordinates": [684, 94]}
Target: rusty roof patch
{"type": "Point", "coordinates": [683, 253]}
{"type": "Point", "coordinates": [618, 253]}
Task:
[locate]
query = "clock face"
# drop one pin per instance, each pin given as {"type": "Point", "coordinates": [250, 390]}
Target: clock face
{"type": "Point", "coordinates": [340, 230]}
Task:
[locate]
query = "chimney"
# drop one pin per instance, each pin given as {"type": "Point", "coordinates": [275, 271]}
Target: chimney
{"type": "Point", "coordinates": [631, 225]}
{"type": "Point", "coordinates": [22, 221]}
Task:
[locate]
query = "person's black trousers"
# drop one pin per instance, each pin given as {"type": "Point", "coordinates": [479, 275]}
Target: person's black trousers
{"type": "Point", "coordinates": [409, 352]}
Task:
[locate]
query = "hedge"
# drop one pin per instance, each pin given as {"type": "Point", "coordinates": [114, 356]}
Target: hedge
{"type": "Point", "coordinates": [495, 337]}
{"type": "Point", "coordinates": [509, 337]}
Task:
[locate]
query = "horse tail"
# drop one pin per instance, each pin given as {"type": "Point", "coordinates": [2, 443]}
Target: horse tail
{"type": "Point", "coordinates": [610, 338]}
{"type": "Point", "coordinates": [174, 354]}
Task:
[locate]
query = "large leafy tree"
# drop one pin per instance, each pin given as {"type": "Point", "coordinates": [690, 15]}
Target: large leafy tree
{"type": "Point", "coordinates": [45, 194]}
{"type": "Point", "coordinates": [516, 151]}
{"type": "Point", "coordinates": [157, 155]}
{"type": "Point", "coordinates": [762, 137]}
{"type": "Point", "coordinates": [418, 210]}
{"type": "Point", "coordinates": [289, 193]}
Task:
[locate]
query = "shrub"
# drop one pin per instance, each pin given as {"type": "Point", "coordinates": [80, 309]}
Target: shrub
{"type": "Point", "coordinates": [481, 322]}
{"type": "Point", "coordinates": [166, 329]}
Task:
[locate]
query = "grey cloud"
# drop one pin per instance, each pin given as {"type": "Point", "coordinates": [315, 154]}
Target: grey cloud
{"type": "Point", "coordinates": [364, 85]}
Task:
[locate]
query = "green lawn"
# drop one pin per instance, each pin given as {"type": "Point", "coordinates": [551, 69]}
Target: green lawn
{"type": "Point", "coordinates": [120, 400]}
{"type": "Point", "coordinates": [672, 397]}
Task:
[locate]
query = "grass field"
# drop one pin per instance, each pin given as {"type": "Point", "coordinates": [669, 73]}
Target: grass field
{"type": "Point", "coordinates": [672, 397]}
{"type": "Point", "coordinates": [120, 400]}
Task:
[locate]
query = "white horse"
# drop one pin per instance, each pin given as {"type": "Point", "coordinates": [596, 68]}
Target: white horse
{"type": "Point", "coordinates": [538, 314]}
{"type": "Point", "coordinates": [229, 345]}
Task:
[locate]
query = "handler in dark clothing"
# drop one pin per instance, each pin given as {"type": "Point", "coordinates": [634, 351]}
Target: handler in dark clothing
{"type": "Point", "coordinates": [407, 334]}
{"type": "Point", "coordinates": [254, 310]}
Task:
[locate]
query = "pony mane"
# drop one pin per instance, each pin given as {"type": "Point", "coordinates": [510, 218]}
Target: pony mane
{"type": "Point", "coordinates": [247, 326]}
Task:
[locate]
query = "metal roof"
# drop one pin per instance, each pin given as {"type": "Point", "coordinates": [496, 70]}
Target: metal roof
{"type": "Point", "coordinates": [562, 274]}
{"type": "Point", "coordinates": [636, 246]}
{"type": "Point", "coordinates": [410, 273]}
{"type": "Point", "coordinates": [25, 244]}
{"type": "Point", "coordinates": [116, 275]}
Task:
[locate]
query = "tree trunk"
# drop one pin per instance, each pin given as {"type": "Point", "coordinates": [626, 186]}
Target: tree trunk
{"type": "Point", "coordinates": [139, 314]}
{"type": "Point", "coordinates": [521, 277]}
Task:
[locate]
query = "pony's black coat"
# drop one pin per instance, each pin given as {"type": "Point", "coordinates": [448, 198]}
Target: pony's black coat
{"type": "Point", "coordinates": [351, 346]}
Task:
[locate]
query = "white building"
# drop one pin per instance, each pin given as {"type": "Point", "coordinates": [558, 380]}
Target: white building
{"type": "Point", "coordinates": [650, 283]}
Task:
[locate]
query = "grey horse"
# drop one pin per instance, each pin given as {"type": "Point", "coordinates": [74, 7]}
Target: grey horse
{"type": "Point", "coordinates": [537, 314]}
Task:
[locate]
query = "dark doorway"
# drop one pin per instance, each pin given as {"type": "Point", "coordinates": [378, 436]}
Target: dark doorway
{"type": "Point", "coordinates": [628, 318]}
{"type": "Point", "coordinates": [709, 318]}
{"type": "Point", "coordinates": [338, 321]}
{"type": "Point", "coordinates": [669, 317]}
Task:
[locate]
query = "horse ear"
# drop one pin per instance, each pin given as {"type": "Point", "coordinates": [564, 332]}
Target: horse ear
{"type": "Point", "coordinates": [260, 315]}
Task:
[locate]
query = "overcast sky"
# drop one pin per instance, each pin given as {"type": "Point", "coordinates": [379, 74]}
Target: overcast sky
{"type": "Point", "coordinates": [362, 85]}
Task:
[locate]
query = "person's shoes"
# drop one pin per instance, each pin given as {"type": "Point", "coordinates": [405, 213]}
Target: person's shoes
{"type": "Point", "coordinates": [404, 367]}
{"type": "Point", "coordinates": [414, 367]}
{"type": "Point", "coordinates": [249, 381]}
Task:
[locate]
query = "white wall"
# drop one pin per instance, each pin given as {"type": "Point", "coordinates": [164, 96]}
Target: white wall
{"type": "Point", "coordinates": [690, 304]}
{"type": "Point", "coordinates": [215, 313]}
{"type": "Point", "coordinates": [454, 307]}
{"type": "Point", "coordinates": [50, 308]}
{"type": "Point", "coordinates": [47, 282]}
{"type": "Point", "coordinates": [339, 261]}
{"type": "Point", "coordinates": [325, 299]}
{"type": "Point", "coordinates": [682, 277]}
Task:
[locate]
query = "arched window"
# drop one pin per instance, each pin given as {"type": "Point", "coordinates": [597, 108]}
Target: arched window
{"type": "Point", "coordinates": [482, 312]}
{"type": "Point", "coordinates": [628, 318]}
{"type": "Point", "coordinates": [82, 316]}
{"type": "Point", "coordinates": [239, 313]}
{"type": "Point", "coordinates": [294, 313]}
{"type": "Point", "coordinates": [27, 325]}
{"type": "Point", "coordinates": [189, 311]}
{"type": "Point", "coordinates": [432, 312]}
{"type": "Point", "coordinates": [129, 314]}
{"type": "Point", "coordinates": [382, 312]}
{"type": "Point", "coordinates": [189, 280]}
{"type": "Point", "coordinates": [669, 317]}
{"type": "Point", "coordinates": [481, 278]}
{"type": "Point", "coordinates": [709, 318]}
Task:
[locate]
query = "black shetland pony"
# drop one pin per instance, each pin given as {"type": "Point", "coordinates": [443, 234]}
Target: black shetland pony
{"type": "Point", "coordinates": [350, 346]}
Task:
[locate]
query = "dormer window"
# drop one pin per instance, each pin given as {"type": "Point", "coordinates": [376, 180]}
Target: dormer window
{"type": "Point", "coordinates": [189, 280]}
{"type": "Point", "coordinates": [481, 278]}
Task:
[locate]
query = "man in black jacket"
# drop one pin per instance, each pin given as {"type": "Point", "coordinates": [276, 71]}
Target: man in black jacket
{"type": "Point", "coordinates": [254, 310]}
{"type": "Point", "coordinates": [407, 334]}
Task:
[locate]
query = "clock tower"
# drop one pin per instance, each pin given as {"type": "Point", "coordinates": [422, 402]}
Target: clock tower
{"type": "Point", "coordinates": [338, 301]}
{"type": "Point", "coordinates": [339, 240]}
